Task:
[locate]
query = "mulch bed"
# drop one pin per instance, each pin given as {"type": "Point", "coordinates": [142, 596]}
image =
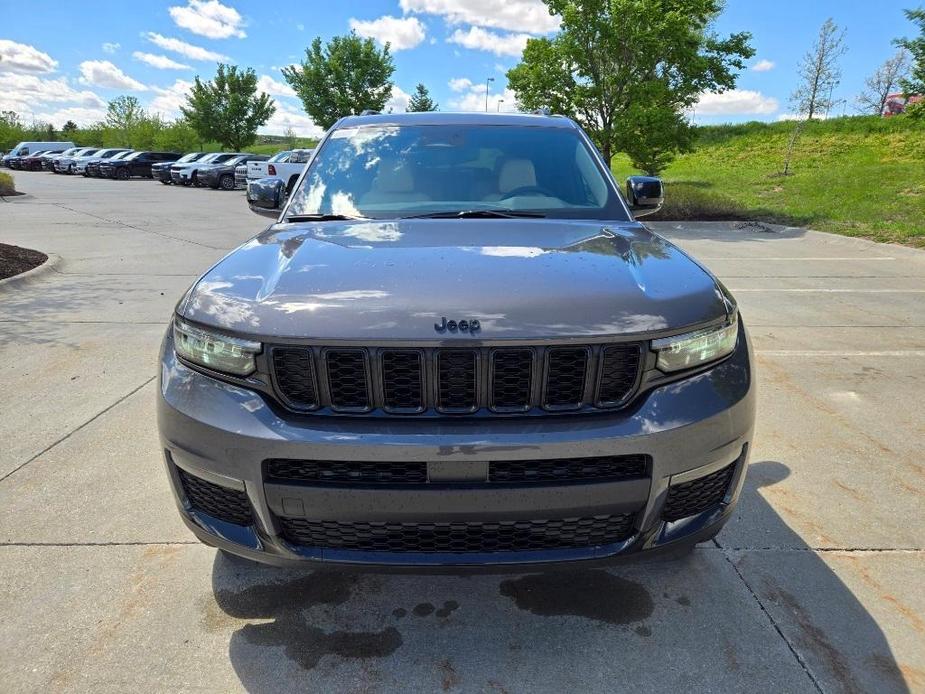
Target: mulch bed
{"type": "Point", "coordinates": [14, 260]}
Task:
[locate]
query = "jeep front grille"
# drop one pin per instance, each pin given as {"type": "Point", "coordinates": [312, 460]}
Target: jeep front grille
{"type": "Point", "coordinates": [456, 381]}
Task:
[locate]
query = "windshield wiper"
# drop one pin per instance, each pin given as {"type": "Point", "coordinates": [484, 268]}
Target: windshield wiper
{"type": "Point", "coordinates": [475, 214]}
{"type": "Point", "coordinates": [321, 217]}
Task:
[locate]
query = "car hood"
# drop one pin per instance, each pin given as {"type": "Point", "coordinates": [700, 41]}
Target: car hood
{"type": "Point", "coordinates": [522, 279]}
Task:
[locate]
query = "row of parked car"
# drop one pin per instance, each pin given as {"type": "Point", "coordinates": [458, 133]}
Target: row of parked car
{"type": "Point", "coordinates": [220, 170]}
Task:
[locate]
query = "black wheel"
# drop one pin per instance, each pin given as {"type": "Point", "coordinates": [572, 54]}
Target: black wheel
{"type": "Point", "coordinates": [166, 183]}
{"type": "Point", "coordinates": [121, 174]}
{"type": "Point", "coordinates": [227, 182]}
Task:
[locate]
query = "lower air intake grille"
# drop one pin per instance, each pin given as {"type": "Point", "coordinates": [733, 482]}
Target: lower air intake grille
{"type": "Point", "coordinates": [605, 468]}
{"type": "Point", "coordinates": [498, 536]}
{"type": "Point", "coordinates": [346, 472]}
{"type": "Point", "coordinates": [220, 502]}
{"type": "Point", "coordinates": [697, 496]}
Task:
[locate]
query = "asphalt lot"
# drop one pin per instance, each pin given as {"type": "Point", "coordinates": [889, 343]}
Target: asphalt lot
{"type": "Point", "coordinates": [816, 585]}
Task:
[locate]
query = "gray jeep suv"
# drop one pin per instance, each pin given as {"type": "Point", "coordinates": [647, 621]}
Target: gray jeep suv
{"type": "Point", "coordinates": [455, 346]}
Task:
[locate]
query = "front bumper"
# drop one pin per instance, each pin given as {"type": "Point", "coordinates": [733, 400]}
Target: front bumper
{"type": "Point", "coordinates": [690, 430]}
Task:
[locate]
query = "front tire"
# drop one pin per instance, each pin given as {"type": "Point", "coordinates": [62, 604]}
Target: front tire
{"type": "Point", "coordinates": [227, 182]}
{"type": "Point", "coordinates": [121, 174]}
{"type": "Point", "coordinates": [166, 183]}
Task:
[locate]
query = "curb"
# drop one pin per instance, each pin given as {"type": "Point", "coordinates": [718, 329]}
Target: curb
{"type": "Point", "coordinates": [30, 275]}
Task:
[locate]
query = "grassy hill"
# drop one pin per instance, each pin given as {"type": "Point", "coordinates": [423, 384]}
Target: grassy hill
{"type": "Point", "coordinates": [856, 176]}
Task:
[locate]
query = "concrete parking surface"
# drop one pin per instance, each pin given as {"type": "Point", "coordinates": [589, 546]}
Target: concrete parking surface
{"type": "Point", "coordinates": [815, 586]}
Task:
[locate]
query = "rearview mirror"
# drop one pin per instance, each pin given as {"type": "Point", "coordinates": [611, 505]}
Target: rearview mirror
{"type": "Point", "coordinates": [266, 196]}
{"type": "Point", "coordinates": [644, 194]}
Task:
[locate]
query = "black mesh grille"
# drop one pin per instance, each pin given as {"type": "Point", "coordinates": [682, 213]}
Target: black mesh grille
{"type": "Point", "coordinates": [455, 380]}
{"type": "Point", "coordinates": [512, 371]}
{"type": "Point", "coordinates": [605, 468]}
{"type": "Point", "coordinates": [485, 536]}
{"type": "Point", "coordinates": [698, 495]}
{"type": "Point", "coordinates": [347, 379]}
{"type": "Point", "coordinates": [566, 370]}
{"type": "Point", "coordinates": [402, 380]}
{"type": "Point", "coordinates": [619, 369]}
{"type": "Point", "coordinates": [295, 376]}
{"type": "Point", "coordinates": [346, 472]}
{"type": "Point", "coordinates": [456, 374]}
{"type": "Point", "coordinates": [219, 502]}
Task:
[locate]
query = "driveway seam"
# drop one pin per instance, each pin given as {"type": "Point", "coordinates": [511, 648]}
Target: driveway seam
{"type": "Point", "coordinates": [146, 231]}
{"type": "Point", "coordinates": [74, 431]}
{"type": "Point", "coordinates": [771, 619]}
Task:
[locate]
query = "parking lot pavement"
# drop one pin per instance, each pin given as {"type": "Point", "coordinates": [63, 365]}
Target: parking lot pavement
{"type": "Point", "coordinates": [814, 586]}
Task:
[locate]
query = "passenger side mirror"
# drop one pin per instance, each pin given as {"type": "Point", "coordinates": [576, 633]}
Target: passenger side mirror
{"type": "Point", "coordinates": [644, 194]}
{"type": "Point", "coordinates": [266, 196]}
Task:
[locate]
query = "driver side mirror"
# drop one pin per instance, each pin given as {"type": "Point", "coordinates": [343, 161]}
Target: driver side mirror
{"type": "Point", "coordinates": [266, 196]}
{"type": "Point", "coordinates": [644, 194]}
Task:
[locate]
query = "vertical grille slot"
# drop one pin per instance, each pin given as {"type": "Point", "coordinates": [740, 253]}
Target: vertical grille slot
{"type": "Point", "coordinates": [402, 380]}
{"type": "Point", "coordinates": [566, 371]}
{"type": "Point", "coordinates": [457, 376]}
{"type": "Point", "coordinates": [511, 376]}
{"type": "Point", "coordinates": [294, 370]}
{"type": "Point", "coordinates": [619, 373]}
{"type": "Point", "coordinates": [348, 379]}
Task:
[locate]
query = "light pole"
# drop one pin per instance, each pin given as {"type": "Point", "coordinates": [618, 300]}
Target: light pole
{"type": "Point", "coordinates": [487, 82]}
{"type": "Point", "coordinates": [500, 101]}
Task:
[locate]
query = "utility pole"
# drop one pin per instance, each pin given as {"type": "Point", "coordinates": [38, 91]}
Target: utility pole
{"type": "Point", "coordinates": [487, 82]}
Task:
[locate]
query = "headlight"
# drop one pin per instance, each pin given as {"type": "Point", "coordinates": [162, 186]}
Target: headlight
{"type": "Point", "coordinates": [694, 349]}
{"type": "Point", "coordinates": [230, 355]}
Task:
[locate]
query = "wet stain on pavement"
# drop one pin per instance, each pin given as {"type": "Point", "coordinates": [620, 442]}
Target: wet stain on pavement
{"type": "Point", "coordinates": [592, 594]}
{"type": "Point", "coordinates": [285, 604]}
{"type": "Point", "coordinates": [423, 609]}
{"type": "Point", "coordinates": [643, 630]}
{"type": "Point", "coordinates": [683, 600]}
{"type": "Point", "coordinates": [399, 613]}
{"type": "Point", "coordinates": [448, 608]}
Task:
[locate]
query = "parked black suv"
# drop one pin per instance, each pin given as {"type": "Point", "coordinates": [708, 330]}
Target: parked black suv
{"type": "Point", "coordinates": [161, 171]}
{"type": "Point", "coordinates": [135, 164]}
{"type": "Point", "coordinates": [221, 175]}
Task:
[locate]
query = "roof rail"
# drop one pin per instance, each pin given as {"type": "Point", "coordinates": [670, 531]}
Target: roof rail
{"type": "Point", "coordinates": [369, 112]}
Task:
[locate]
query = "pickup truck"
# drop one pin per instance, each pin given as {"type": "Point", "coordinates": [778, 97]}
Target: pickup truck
{"type": "Point", "coordinates": [287, 171]}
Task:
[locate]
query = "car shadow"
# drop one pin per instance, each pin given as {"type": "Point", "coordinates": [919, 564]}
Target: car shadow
{"type": "Point", "coordinates": [649, 625]}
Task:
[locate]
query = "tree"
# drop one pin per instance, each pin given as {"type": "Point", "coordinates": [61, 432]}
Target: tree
{"type": "Point", "coordinates": [345, 77]}
{"type": "Point", "coordinates": [627, 70]}
{"type": "Point", "coordinates": [819, 72]}
{"type": "Point", "coordinates": [915, 82]}
{"type": "Point", "coordinates": [883, 82]}
{"type": "Point", "coordinates": [290, 137]}
{"type": "Point", "coordinates": [421, 101]}
{"type": "Point", "coordinates": [228, 109]}
{"type": "Point", "coordinates": [122, 115]}
{"type": "Point", "coordinates": [69, 128]}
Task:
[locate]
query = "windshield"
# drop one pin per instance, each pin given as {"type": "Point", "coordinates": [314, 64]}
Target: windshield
{"type": "Point", "coordinates": [133, 155]}
{"type": "Point", "coordinates": [391, 171]}
{"type": "Point", "coordinates": [188, 157]}
{"type": "Point", "coordinates": [280, 157]}
{"type": "Point", "coordinates": [121, 155]}
{"type": "Point", "coordinates": [219, 158]}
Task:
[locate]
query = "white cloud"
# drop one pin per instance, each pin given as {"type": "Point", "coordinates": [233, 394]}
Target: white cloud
{"type": "Point", "coordinates": [183, 48]}
{"type": "Point", "coordinates": [763, 65]}
{"type": "Point", "coordinates": [169, 99]}
{"type": "Point", "coordinates": [209, 18]}
{"type": "Point", "coordinates": [273, 87]}
{"type": "Point", "coordinates": [162, 62]}
{"type": "Point", "coordinates": [286, 117]}
{"type": "Point", "coordinates": [81, 115]}
{"type": "Point", "coordinates": [471, 97]}
{"type": "Point", "coordinates": [300, 27]}
{"type": "Point", "coordinates": [111, 47]}
{"type": "Point", "coordinates": [398, 102]}
{"type": "Point", "coordinates": [21, 57]}
{"type": "Point", "coordinates": [400, 34]}
{"type": "Point", "coordinates": [461, 84]}
{"type": "Point", "coordinates": [481, 40]}
{"type": "Point", "coordinates": [514, 15]}
{"type": "Point", "coordinates": [735, 102]}
{"type": "Point", "coordinates": [102, 73]}
{"type": "Point", "coordinates": [24, 93]}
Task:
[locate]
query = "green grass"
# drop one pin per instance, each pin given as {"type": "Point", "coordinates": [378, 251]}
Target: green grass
{"type": "Point", "coordinates": [856, 176]}
{"type": "Point", "coordinates": [6, 184]}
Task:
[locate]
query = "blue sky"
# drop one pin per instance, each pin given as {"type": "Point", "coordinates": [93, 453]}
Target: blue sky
{"type": "Point", "coordinates": [61, 60]}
